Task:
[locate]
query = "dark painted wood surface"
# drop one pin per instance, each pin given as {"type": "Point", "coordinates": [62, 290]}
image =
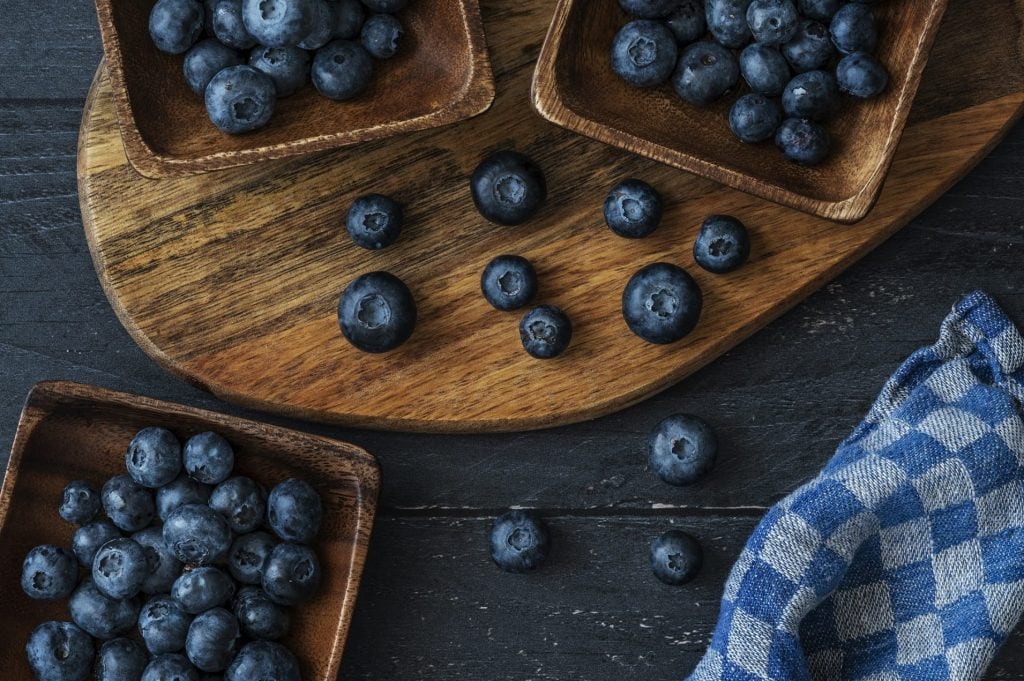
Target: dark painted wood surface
{"type": "Point", "coordinates": [432, 607]}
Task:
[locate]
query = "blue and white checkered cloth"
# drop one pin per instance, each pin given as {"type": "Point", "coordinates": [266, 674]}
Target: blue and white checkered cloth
{"type": "Point", "coordinates": [904, 559]}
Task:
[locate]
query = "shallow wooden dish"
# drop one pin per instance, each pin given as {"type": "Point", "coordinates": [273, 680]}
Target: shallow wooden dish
{"type": "Point", "coordinates": [575, 87]}
{"type": "Point", "coordinates": [442, 75]}
{"type": "Point", "coordinates": [70, 431]}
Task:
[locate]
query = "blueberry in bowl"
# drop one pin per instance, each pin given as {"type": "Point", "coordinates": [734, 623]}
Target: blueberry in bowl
{"type": "Point", "coordinates": [754, 118]}
{"type": "Point", "coordinates": [323, 27]}
{"type": "Point", "coordinates": [545, 332]}
{"type": "Point", "coordinates": [164, 567]}
{"type": "Point", "coordinates": [688, 21]}
{"type": "Point", "coordinates": [280, 23]}
{"type": "Point", "coordinates": [853, 28]}
{"type": "Point", "coordinates": [179, 492]}
{"type": "Point", "coordinates": [291, 574]}
{"type": "Point", "coordinates": [120, 659]}
{"type": "Point", "coordinates": [722, 245]}
{"type": "Point", "coordinates": [208, 458]}
{"type": "Point", "coordinates": [661, 303]}
{"type": "Point", "coordinates": [508, 188]}
{"type": "Point", "coordinates": [348, 18]}
{"type": "Point", "coordinates": [205, 60]}
{"type": "Point", "coordinates": [175, 25]}
{"type": "Point", "coordinates": [772, 22]}
{"type": "Point", "coordinates": [509, 282]}
{"type": "Point", "coordinates": [228, 26]}
{"type": "Point", "coordinates": [240, 99]}
{"type": "Point", "coordinates": [682, 449]}
{"type": "Point", "coordinates": [88, 539]}
{"type": "Point", "coordinates": [119, 568]}
{"type": "Point", "coordinates": [59, 651]}
{"type": "Point", "coordinates": [803, 141]}
{"type": "Point", "coordinates": [819, 10]}
{"type": "Point", "coordinates": [259, 617]}
{"type": "Point", "coordinates": [381, 36]}
{"type": "Point", "coordinates": [644, 53]}
{"type": "Point", "coordinates": [163, 625]}
{"type": "Point", "coordinates": [813, 95]}
{"type": "Point", "coordinates": [80, 503]}
{"type": "Point", "coordinates": [263, 660]}
{"type": "Point", "coordinates": [128, 504]}
{"type": "Point", "coordinates": [519, 541]}
{"type": "Point", "coordinates": [705, 72]}
{"type": "Point", "coordinates": [633, 209]}
{"type": "Point", "coordinates": [154, 457]}
{"type": "Point", "coordinates": [377, 312]}
{"type": "Point", "coordinates": [196, 534]}
{"type": "Point", "coordinates": [727, 22]}
{"type": "Point", "coordinates": [99, 615]}
{"type": "Point", "coordinates": [170, 667]}
{"type": "Point", "coordinates": [287, 67]}
{"type": "Point", "coordinates": [212, 640]}
{"type": "Point", "coordinates": [342, 70]}
{"type": "Point", "coordinates": [203, 588]}
{"type": "Point", "coordinates": [861, 75]}
{"type": "Point", "coordinates": [294, 511]}
{"type": "Point", "coordinates": [247, 555]}
{"type": "Point", "coordinates": [810, 48]}
{"type": "Point", "coordinates": [676, 557]}
{"type": "Point", "coordinates": [241, 501]}
{"type": "Point", "coordinates": [764, 69]}
{"type": "Point", "coordinates": [375, 221]}
{"type": "Point", "coordinates": [49, 572]}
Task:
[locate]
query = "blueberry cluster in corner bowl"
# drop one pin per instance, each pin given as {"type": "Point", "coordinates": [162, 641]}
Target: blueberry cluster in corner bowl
{"type": "Point", "coordinates": [258, 51]}
{"type": "Point", "coordinates": [201, 563]}
{"type": "Point", "coordinates": [797, 58]}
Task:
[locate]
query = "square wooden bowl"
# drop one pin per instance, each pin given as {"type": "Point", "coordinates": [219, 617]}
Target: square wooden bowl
{"type": "Point", "coordinates": [574, 86]}
{"type": "Point", "coordinates": [442, 75]}
{"type": "Point", "coordinates": [70, 431]}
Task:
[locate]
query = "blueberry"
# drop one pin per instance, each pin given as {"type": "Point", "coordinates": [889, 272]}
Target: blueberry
{"type": "Point", "coordinates": [119, 568]}
{"type": "Point", "coordinates": [661, 303]}
{"type": "Point", "coordinates": [288, 67]}
{"type": "Point", "coordinates": [772, 22]}
{"type": "Point", "coordinates": [861, 75]}
{"type": "Point", "coordinates": [819, 10]}
{"type": "Point", "coordinates": [80, 503]}
{"type": "Point", "coordinates": [197, 534]}
{"type": "Point", "coordinates": [163, 625]}
{"type": "Point", "coordinates": [205, 60]}
{"type": "Point", "coordinates": [386, 6]}
{"type": "Point", "coordinates": [120, 659]}
{"type": "Point", "coordinates": [342, 69]}
{"type": "Point", "coordinates": [259, 617]}
{"type": "Point", "coordinates": [682, 449]}
{"type": "Point", "coordinates": [129, 505]}
{"type": "Point", "coordinates": [240, 99]}
{"type": "Point", "coordinates": [727, 21]}
{"type": "Point", "coordinates": [49, 572]}
{"type": "Point", "coordinates": [382, 35]}
{"type": "Point", "coordinates": [88, 539]}
{"type": "Point", "coordinates": [263, 660]}
{"type": "Point", "coordinates": [765, 69]}
{"type": "Point", "coordinates": [545, 332]}
{"type": "Point", "coordinates": [687, 21]}
{"type": "Point", "coordinates": [247, 555]}
{"type": "Point", "coordinates": [179, 492]}
{"type": "Point", "coordinates": [153, 457]}
{"type": "Point", "coordinates": [294, 511]}
{"type": "Point", "coordinates": [676, 557]}
{"type": "Point", "coordinates": [853, 28]}
{"type": "Point", "coordinates": [754, 118]}
{"type": "Point", "coordinates": [208, 458]}
{"type": "Point", "coordinates": [377, 313]}
{"type": "Point", "coordinates": [59, 651]}
{"type": "Point", "coordinates": [723, 244]}
{"type": "Point", "coordinates": [323, 27]}
{"type": "Point", "coordinates": [633, 209]}
{"type": "Point", "coordinates": [291, 573]}
{"type": "Point", "coordinates": [803, 141]}
{"type": "Point", "coordinates": [509, 282]}
{"type": "Point", "coordinates": [175, 25]}
{"type": "Point", "coordinates": [241, 501]}
{"type": "Point", "coordinates": [648, 9]}
{"type": "Point", "coordinates": [99, 615]}
{"type": "Point", "coordinates": [279, 23]}
{"type": "Point", "coordinates": [810, 49]}
{"type": "Point", "coordinates": [164, 568]}
{"type": "Point", "coordinates": [203, 588]}
{"type": "Point", "coordinates": [705, 72]}
{"type": "Point", "coordinates": [171, 667]}
{"type": "Point", "coordinates": [644, 52]}
{"type": "Point", "coordinates": [519, 541]}
{"type": "Point", "coordinates": [508, 188]}
{"type": "Point", "coordinates": [212, 640]}
{"type": "Point", "coordinates": [813, 95]}
{"type": "Point", "coordinates": [374, 221]}
{"type": "Point", "coordinates": [348, 19]}
{"type": "Point", "coordinates": [228, 26]}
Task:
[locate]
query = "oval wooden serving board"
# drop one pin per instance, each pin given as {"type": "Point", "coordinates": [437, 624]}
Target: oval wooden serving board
{"type": "Point", "coordinates": [231, 279]}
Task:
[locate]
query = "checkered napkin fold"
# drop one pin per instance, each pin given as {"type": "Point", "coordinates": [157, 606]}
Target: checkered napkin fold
{"type": "Point", "coordinates": [904, 559]}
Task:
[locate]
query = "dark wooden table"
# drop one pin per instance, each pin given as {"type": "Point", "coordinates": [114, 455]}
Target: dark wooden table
{"type": "Point", "coordinates": [432, 606]}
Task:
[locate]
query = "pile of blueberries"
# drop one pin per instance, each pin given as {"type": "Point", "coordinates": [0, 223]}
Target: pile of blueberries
{"type": "Point", "coordinates": [257, 51]}
{"type": "Point", "coordinates": [176, 581]}
{"type": "Point", "coordinates": [796, 57]}
{"type": "Point", "coordinates": [661, 303]}
{"type": "Point", "coordinates": [681, 451]}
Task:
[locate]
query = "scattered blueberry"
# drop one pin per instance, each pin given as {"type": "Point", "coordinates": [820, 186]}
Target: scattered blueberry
{"type": "Point", "coordinates": [509, 282]}
{"type": "Point", "coordinates": [59, 651]}
{"type": "Point", "coordinates": [175, 25]}
{"type": "Point", "coordinates": [819, 10]}
{"type": "Point", "coordinates": [49, 572]}
{"type": "Point", "coordinates": [241, 501]}
{"type": "Point", "coordinates": [727, 22]}
{"type": "Point", "coordinates": [247, 555]}
{"type": "Point", "coordinates": [196, 534]}
{"type": "Point", "coordinates": [754, 118]}
{"type": "Point", "coordinates": [80, 503]}
{"type": "Point", "coordinates": [342, 69]}
{"type": "Point", "coordinates": [648, 9]}
{"type": "Point", "coordinates": [705, 72]}
{"type": "Point", "coordinates": [633, 209]}
{"type": "Point", "coordinates": [676, 557]}
{"type": "Point", "coordinates": [813, 95]}
{"type": "Point", "coordinates": [772, 22]}
{"type": "Point", "coordinates": [228, 26]}
{"type": "Point", "coordinates": [212, 640]}
{"type": "Point", "coordinates": [204, 60]}
{"type": "Point", "coordinates": [179, 492]}
{"type": "Point", "coordinates": [291, 573]}
{"type": "Point", "coordinates": [722, 245]}
{"type": "Point", "coordinates": [545, 332]}
{"type": "Point", "coordinates": [861, 75]}
{"type": "Point", "coordinates": [164, 568]}
{"type": "Point", "coordinates": [163, 625]}
{"type": "Point", "coordinates": [120, 659]}
{"type": "Point", "coordinates": [203, 588]}
{"type": "Point", "coordinates": [687, 21]}
{"type": "Point", "coordinates": [279, 23]}
{"type": "Point", "coordinates": [208, 458]}
{"type": "Point", "coordinates": [375, 221]}
{"type": "Point", "coordinates": [259, 617]}
{"type": "Point", "coordinates": [508, 188]}
{"type": "Point", "coordinates": [172, 667]}
{"type": "Point", "coordinates": [323, 27]}
{"type": "Point", "coordinates": [382, 35]}
{"type": "Point", "coordinates": [853, 28]}
{"type": "Point", "coordinates": [802, 141]}
{"type": "Point", "coordinates": [348, 19]}
{"type": "Point", "coordinates": [88, 539]}
{"type": "Point", "coordinates": [764, 69]}
{"type": "Point", "coordinates": [99, 615]}
{"type": "Point", "coordinates": [377, 313]}
{"type": "Point", "coordinates": [661, 303]}
{"type": "Point", "coordinates": [119, 568]}
{"type": "Point", "coordinates": [385, 6]}
{"type": "Point", "coordinates": [644, 52]}
{"type": "Point", "coordinates": [682, 449]}
{"type": "Point", "coordinates": [810, 49]}
{"type": "Point", "coordinates": [519, 541]}
{"type": "Point", "coordinates": [263, 660]}
{"type": "Point", "coordinates": [129, 505]}
{"type": "Point", "coordinates": [240, 99]}
{"type": "Point", "coordinates": [154, 457]}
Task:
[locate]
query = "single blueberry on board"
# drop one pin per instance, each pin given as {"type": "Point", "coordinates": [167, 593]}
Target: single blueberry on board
{"type": "Point", "coordinates": [509, 282]}
{"type": "Point", "coordinates": [688, 21]}
{"type": "Point", "coordinates": [288, 67]}
{"type": "Point", "coordinates": [59, 651]}
{"type": "Point", "coordinates": [802, 141]}
{"type": "Point", "coordinates": [853, 28]}
{"type": "Point", "coordinates": [196, 534]}
{"type": "Point", "coordinates": [212, 640]}
{"type": "Point", "coordinates": [164, 568]}
{"type": "Point", "coordinates": [175, 25]}
{"type": "Point", "coordinates": [128, 504]}
{"type": "Point", "coordinates": [80, 503]}
{"type": "Point", "coordinates": [382, 35]}
{"type": "Point", "coordinates": [508, 188]}
{"type": "Point", "coordinates": [88, 539]}
{"type": "Point", "coordinates": [259, 617]}
{"type": "Point", "coordinates": [163, 625]}
{"type": "Point", "coordinates": [240, 99]}
{"type": "Point", "coordinates": [682, 449]}
{"type": "Point", "coordinates": [861, 75]}
{"type": "Point", "coordinates": [648, 9]}
{"type": "Point", "coordinates": [205, 60]}
{"type": "Point", "coordinates": [644, 52]}
{"type": "Point", "coordinates": [120, 659]}
{"type": "Point", "coordinates": [813, 95]}
{"type": "Point", "coordinates": [119, 568]}
{"type": "Point", "coordinates": [291, 573]}
{"type": "Point", "coordinates": [385, 6]}
{"type": "Point", "coordinates": [99, 615]}
{"type": "Point", "coordinates": [208, 458]}
{"type": "Point", "coordinates": [375, 221]}
{"type": "Point", "coordinates": [819, 10]}
{"type": "Point", "coordinates": [228, 26]}
{"type": "Point", "coordinates": [633, 209]}
{"type": "Point", "coordinates": [772, 22]}
{"type": "Point", "coordinates": [247, 555]}
{"type": "Point", "coordinates": [279, 23]}
{"type": "Point", "coordinates": [722, 245]}
{"type": "Point", "coordinates": [376, 313]}
{"type": "Point", "coordinates": [661, 303]}
{"type": "Point", "coordinates": [545, 332]}
{"type": "Point", "coordinates": [810, 49]}
{"type": "Point", "coordinates": [764, 69]}
{"type": "Point", "coordinates": [348, 19]}
{"type": "Point", "coordinates": [179, 492]}
{"type": "Point", "coordinates": [676, 557]}
{"type": "Point", "coordinates": [519, 541]}
{"type": "Point", "coordinates": [323, 27]}
{"type": "Point", "coordinates": [203, 588]}
{"type": "Point", "coordinates": [153, 457]}
{"type": "Point", "coordinates": [342, 69]}
{"type": "Point", "coordinates": [263, 660]}
{"type": "Point", "coordinates": [173, 667]}
{"type": "Point", "coordinates": [49, 572]}
{"type": "Point", "coordinates": [705, 72]}
{"type": "Point", "coordinates": [754, 118]}
{"type": "Point", "coordinates": [241, 501]}
{"type": "Point", "coordinates": [727, 22]}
